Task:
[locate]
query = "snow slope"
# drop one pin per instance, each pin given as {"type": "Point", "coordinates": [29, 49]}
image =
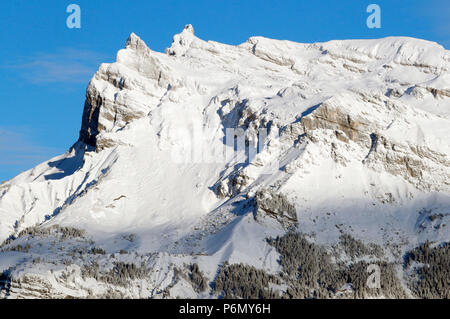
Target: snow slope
{"type": "Point", "coordinates": [358, 133]}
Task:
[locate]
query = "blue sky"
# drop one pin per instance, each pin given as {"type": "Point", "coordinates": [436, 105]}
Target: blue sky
{"type": "Point", "coordinates": [45, 66]}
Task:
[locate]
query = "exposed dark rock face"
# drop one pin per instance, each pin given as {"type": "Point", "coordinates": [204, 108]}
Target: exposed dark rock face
{"type": "Point", "coordinates": [276, 206]}
{"type": "Point", "coordinates": [101, 113]}
{"type": "Point", "coordinates": [89, 123]}
{"type": "Point", "coordinates": [110, 103]}
{"type": "Point", "coordinates": [329, 117]}
{"type": "Point", "coordinates": [404, 159]}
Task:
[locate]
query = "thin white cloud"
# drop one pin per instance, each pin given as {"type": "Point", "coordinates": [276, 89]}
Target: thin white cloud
{"type": "Point", "coordinates": [64, 65]}
{"type": "Point", "coordinates": [18, 150]}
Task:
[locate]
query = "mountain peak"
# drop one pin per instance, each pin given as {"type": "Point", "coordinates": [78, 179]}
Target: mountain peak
{"type": "Point", "coordinates": [182, 41]}
{"type": "Point", "coordinates": [188, 28]}
{"type": "Point", "coordinates": [136, 43]}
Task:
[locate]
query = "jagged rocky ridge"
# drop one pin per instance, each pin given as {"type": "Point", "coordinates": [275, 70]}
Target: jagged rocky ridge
{"type": "Point", "coordinates": [356, 157]}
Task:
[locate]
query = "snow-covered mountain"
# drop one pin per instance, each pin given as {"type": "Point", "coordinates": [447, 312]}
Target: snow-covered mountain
{"type": "Point", "coordinates": [346, 150]}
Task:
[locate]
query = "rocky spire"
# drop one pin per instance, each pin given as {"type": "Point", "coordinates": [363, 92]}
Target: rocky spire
{"type": "Point", "coordinates": [136, 43]}
{"type": "Point", "coordinates": [182, 41]}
